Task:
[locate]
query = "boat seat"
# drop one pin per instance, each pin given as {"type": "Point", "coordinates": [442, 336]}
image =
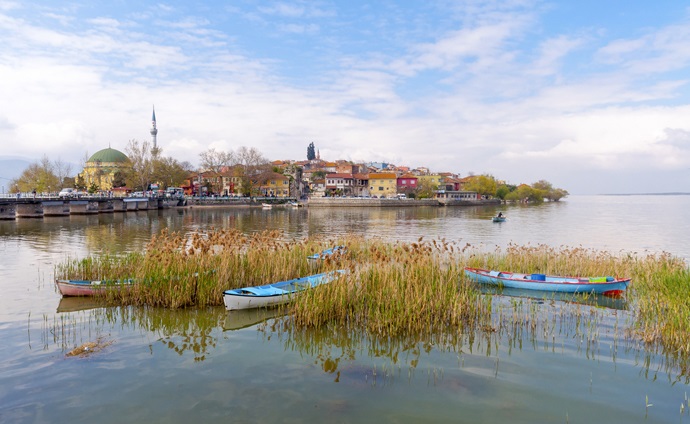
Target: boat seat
{"type": "Point", "coordinates": [265, 291]}
{"type": "Point", "coordinates": [494, 273]}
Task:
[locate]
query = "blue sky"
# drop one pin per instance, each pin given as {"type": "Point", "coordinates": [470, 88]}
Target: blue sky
{"type": "Point", "coordinates": [590, 95]}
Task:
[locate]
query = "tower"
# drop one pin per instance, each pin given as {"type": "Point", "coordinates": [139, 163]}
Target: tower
{"type": "Point", "coordinates": [154, 130]}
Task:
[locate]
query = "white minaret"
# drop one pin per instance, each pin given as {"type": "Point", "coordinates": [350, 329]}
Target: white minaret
{"type": "Point", "coordinates": [154, 130]}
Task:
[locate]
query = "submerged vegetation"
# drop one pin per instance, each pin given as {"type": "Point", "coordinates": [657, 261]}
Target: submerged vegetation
{"type": "Point", "coordinates": [393, 288]}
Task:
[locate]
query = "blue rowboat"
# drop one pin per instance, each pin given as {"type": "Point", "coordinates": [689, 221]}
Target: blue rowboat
{"type": "Point", "coordinates": [276, 293]}
{"type": "Point", "coordinates": [608, 286]}
{"type": "Point", "coordinates": [335, 250]}
{"type": "Point", "coordinates": [499, 219]}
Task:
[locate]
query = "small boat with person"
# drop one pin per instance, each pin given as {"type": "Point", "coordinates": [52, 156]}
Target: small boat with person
{"type": "Point", "coordinates": [499, 218]}
{"type": "Point", "coordinates": [608, 286]}
{"type": "Point", "coordinates": [90, 287]}
{"type": "Point", "coordinates": [276, 293]}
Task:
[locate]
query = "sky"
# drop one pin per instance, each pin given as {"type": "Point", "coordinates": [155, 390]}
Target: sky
{"type": "Point", "coordinates": [592, 96]}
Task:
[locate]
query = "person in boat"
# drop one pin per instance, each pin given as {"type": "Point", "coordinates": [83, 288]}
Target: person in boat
{"type": "Point", "coordinates": [500, 215]}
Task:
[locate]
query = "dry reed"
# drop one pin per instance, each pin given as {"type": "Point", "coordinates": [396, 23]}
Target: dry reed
{"type": "Point", "coordinates": [392, 288]}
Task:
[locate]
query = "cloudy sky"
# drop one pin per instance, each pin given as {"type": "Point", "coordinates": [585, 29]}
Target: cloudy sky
{"type": "Point", "coordinates": [593, 96]}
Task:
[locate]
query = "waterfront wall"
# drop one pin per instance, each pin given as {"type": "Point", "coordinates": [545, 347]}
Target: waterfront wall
{"type": "Point", "coordinates": [30, 208]}
{"type": "Point", "coordinates": [365, 202]}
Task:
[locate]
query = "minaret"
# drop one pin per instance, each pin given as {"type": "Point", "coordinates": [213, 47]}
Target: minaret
{"type": "Point", "coordinates": [154, 130]}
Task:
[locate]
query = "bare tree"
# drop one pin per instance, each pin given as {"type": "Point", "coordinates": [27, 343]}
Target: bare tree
{"type": "Point", "coordinates": [141, 158]}
{"type": "Point", "coordinates": [251, 159]}
{"type": "Point", "coordinates": [215, 160]}
{"type": "Point", "coordinates": [61, 170]}
{"type": "Point", "coordinates": [252, 163]}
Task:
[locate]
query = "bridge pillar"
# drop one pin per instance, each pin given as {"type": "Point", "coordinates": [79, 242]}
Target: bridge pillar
{"type": "Point", "coordinates": [30, 210]}
{"type": "Point", "coordinates": [83, 207]}
{"type": "Point", "coordinates": [55, 208]}
{"type": "Point", "coordinates": [105, 206]}
{"type": "Point", "coordinates": [8, 211]}
{"type": "Point", "coordinates": [118, 205]}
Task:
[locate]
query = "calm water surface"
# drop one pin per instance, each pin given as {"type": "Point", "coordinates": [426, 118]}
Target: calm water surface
{"type": "Point", "coordinates": [207, 365]}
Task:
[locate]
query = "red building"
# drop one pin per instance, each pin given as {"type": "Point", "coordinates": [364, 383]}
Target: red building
{"type": "Point", "coordinates": [406, 182]}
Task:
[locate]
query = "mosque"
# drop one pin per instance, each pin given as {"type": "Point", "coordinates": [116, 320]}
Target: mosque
{"type": "Point", "coordinates": [102, 168]}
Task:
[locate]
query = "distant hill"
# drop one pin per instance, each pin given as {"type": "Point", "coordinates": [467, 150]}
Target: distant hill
{"type": "Point", "coordinates": [11, 169]}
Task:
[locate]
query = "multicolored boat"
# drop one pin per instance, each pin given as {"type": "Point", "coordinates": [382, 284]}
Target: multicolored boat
{"type": "Point", "coordinates": [608, 286]}
{"type": "Point", "coordinates": [89, 287]}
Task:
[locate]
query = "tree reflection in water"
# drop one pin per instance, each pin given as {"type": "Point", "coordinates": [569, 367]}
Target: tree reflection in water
{"type": "Point", "coordinates": [335, 349]}
{"type": "Point", "coordinates": [186, 331]}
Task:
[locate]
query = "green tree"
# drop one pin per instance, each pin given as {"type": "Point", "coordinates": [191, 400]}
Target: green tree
{"type": "Point", "coordinates": [425, 189]}
{"type": "Point", "coordinates": [311, 151]}
{"type": "Point", "coordinates": [549, 191]}
{"type": "Point", "coordinates": [543, 185]}
{"type": "Point", "coordinates": [170, 172]}
{"type": "Point", "coordinates": [41, 176]}
{"type": "Point", "coordinates": [502, 191]}
{"type": "Point", "coordinates": [79, 183]}
{"type": "Point", "coordinates": [119, 179]}
{"type": "Point", "coordinates": [557, 194]}
{"type": "Point", "coordinates": [485, 185]}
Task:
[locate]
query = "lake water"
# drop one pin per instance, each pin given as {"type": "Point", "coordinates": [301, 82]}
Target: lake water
{"type": "Point", "coordinates": [210, 365]}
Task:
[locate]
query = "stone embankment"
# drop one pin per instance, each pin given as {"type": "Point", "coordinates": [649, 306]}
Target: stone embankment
{"type": "Point", "coordinates": [37, 208]}
{"type": "Point", "coordinates": [367, 202]}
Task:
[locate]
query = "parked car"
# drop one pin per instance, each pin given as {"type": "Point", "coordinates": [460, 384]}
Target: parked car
{"type": "Point", "coordinates": [67, 192]}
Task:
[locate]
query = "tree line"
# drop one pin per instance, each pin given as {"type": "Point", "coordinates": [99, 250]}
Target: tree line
{"type": "Point", "coordinates": [487, 185]}
{"type": "Point", "coordinates": [147, 165]}
{"type": "Point", "coordinates": [246, 164]}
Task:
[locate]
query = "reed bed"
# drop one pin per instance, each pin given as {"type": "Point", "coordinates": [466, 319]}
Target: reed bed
{"type": "Point", "coordinates": [659, 294]}
{"type": "Point", "coordinates": [392, 288]}
{"type": "Point", "coordinates": [176, 271]}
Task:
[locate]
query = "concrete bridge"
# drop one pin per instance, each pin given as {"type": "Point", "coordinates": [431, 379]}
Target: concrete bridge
{"type": "Point", "coordinates": [40, 207]}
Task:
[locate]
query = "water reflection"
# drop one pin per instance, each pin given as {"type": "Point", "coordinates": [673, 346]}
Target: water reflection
{"type": "Point", "coordinates": [243, 318]}
{"type": "Point", "coordinates": [619, 303]}
{"type": "Point", "coordinates": [519, 326]}
{"type": "Point", "coordinates": [74, 304]}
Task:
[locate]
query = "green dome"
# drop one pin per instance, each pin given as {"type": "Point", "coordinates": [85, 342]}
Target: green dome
{"type": "Point", "coordinates": [109, 155]}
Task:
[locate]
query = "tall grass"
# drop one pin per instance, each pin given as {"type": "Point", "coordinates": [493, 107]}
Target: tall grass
{"type": "Point", "coordinates": [393, 288]}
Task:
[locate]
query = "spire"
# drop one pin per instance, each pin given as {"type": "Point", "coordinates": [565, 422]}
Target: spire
{"type": "Point", "coordinates": [154, 130]}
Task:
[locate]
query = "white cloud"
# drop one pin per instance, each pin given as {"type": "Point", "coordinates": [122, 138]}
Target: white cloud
{"type": "Point", "coordinates": [470, 98]}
